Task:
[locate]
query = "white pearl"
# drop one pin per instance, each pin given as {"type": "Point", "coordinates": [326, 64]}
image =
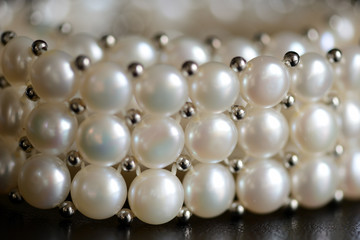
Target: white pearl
{"type": "Point", "coordinates": [237, 47]}
{"type": "Point", "coordinates": [210, 138]}
{"type": "Point", "coordinates": [52, 76]}
{"type": "Point", "coordinates": [51, 128]}
{"type": "Point", "coordinates": [348, 71]}
{"type": "Point", "coordinates": [156, 196]}
{"type": "Point", "coordinates": [106, 88]}
{"type": "Point", "coordinates": [83, 44]}
{"type": "Point", "coordinates": [263, 186]}
{"type": "Point", "coordinates": [350, 117]}
{"type": "Point", "coordinates": [209, 189]}
{"type": "Point", "coordinates": [350, 173]}
{"type": "Point", "coordinates": [183, 49]}
{"type": "Point", "coordinates": [44, 181]}
{"type": "Point", "coordinates": [314, 181]}
{"type": "Point", "coordinates": [161, 90]}
{"type": "Point", "coordinates": [264, 82]}
{"type": "Point", "coordinates": [214, 88]}
{"type": "Point", "coordinates": [263, 133]}
{"type": "Point", "coordinates": [131, 49]}
{"type": "Point", "coordinates": [16, 57]}
{"type": "Point", "coordinates": [103, 140]}
{"type": "Point", "coordinates": [312, 78]}
{"type": "Point", "coordinates": [98, 192]}
{"type": "Point", "coordinates": [157, 142]}
{"type": "Point", "coordinates": [314, 129]}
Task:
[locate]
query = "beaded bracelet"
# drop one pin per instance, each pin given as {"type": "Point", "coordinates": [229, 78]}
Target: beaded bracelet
{"type": "Point", "coordinates": [176, 126]}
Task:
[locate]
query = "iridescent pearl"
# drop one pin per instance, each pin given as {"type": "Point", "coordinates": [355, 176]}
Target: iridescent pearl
{"type": "Point", "coordinates": [157, 142]}
{"type": "Point", "coordinates": [106, 88]}
{"type": "Point", "coordinates": [264, 82]}
{"type": "Point", "coordinates": [209, 189]}
{"type": "Point", "coordinates": [350, 173]}
{"type": "Point", "coordinates": [44, 181]}
{"type": "Point", "coordinates": [103, 140]}
{"type": "Point", "coordinates": [237, 47]}
{"type": "Point", "coordinates": [348, 71]}
{"type": "Point", "coordinates": [263, 133]}
{"type": "Point", "coordinates": [98, 192]}
{"type": "Point", "coordinates": [314, 181]}
{"type": "Point", "coordinates": [161, 90]}
{"type": "Point", "coordinates": [350, 117]}
{"type": "Point", "coordinates": [52, 76]}
{"type": "Point", "coordinates": [51, 128]}
{"type": "Point", "coordinates": [210, 138]}
{"type": "Point", "coordinates": [156, 196]}
{"type": "Point", "coordinates": [312, 78]}
{"type": "Point", "coordinates": [263, 186]}
{"type": "Point", "coordinates": [214, 87]}
{"type": "Point", "coordinates": [83, 44]}
{"type": "Point", "coordinates": [314, 128]}
{"type": "Point", "coordinates": [16, 57]}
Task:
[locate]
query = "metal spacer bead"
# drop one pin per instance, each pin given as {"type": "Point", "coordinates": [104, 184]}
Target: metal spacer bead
{"type": "Point", "coordinates": [189, 68]}
{"type": "Point", "coordinates": [125, 216]}
{"type": "Point", "coordinates": [7, 36]}
{"type": "Point", "coordinates": [263, 38]}
{"type": "Point", "coordinates": [128, 164]}
{"type": "Point", "coordinates": [188, 110]}
{"type": "Point", "coordinates": [15, 197]}
{"type": "Point", "coordinates": [290, 160]}
{"type": "Point", "coordinates": [3, 82]}
{"type": "Point", "coordinates": [65, 28]}
{"type": "Point", "coordinates": [73, 159]}
{"type": "Point", "coordinates": [30, 93]}
{"type": "Point", "coordinates": [339, 150]}
{"type": "Point", "coordinates": [237, 112]}
{"type": "Point", "coordinates": [108, 41]}
{"type": "Point", "coordinates": [238, 64]}
{"type": "Point", "coordinates": [292, 205]}
{"type": "Point", "coordinates": [38, 47]}
{"type": "Point", "coordinates": [133, 117]}
{"type": "Point", "coordinates": [183, 163]}
{"type": "Point", "coordinates": [136, 69]}
{"type": "Point", "coordinates": [291, 59]}
{"type": "Point", "coordinates": [288, 101]}
{"type": "Point", "coordinates": [237, 208]}
{"type": "Point", "coordinates": [235, 165]}
{"type": "Point", "coordinates": [25, 144]}
{"type": "Point", "coordinates": [67, 209]}
{"type": "Point", "coordinates": [161, 40]}
{"type": "Point", "coordinates": [333, 100]}
{"type": "Point", "coordinates": [338, 196]}
{"type": "Point", "coordinates": [214, 42]}
{"type": "Point", "coordinates": [77, 106]}
{"type": "Point", "coordinates": [82, 62]}
{"type": "Point", "coordinates": [184, 215]}
{"type": "Point", "coordinates": [334, 55]}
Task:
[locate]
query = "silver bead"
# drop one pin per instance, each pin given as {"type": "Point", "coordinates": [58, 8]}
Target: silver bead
{"type": "Point", "coordinates": [125, 216]}
{"type": "Point", "coordinates": [15, 196]}
{"type": "Point", "coordinates": [188, 110]}
{"type": "Point", "coordinates": [334, 55]}
{"type": "Point", "coordinates": [38, 47]}
{"type": "Point", "coordinates": [108, 41]}
{"type": "Point", "coordinates": [161, 40]}
{"type": "Point", "coordinates": [333, 100]}
{"type": "Point", "coordinates": [339, 150]}
{"type": "Point", "coordinates": [237, 112]}
{"type": "Point", "coordinates": [235, 165]}
{"type": "Point", "coordinates": [7, 36]}
{"type": "Point", "coordinates": [67, 209]}
{"type": "Point", "coordinates": [338, 196]}
{"type": "Point", "coordinates": [184, 215]}
{"type": "Point", "coordinates": [65, 28]}
{"type": "Point", "coordinates": [189, 68]}
{"type": "Point", "coordinates": [25, 144]}
{"type": "Point", "coordinates": [183, 163]}
{"type": "Point", "coordinates": [133, 117]}
{"type": "Point", "coordinates": [82, 62]}
{"type": "Point", "coordinates": [237, 208]}
{"type": "Point", "coordinates": [128, 164]}
{"type": "Point", "coordinates": [312, 34]}
{"type": "Point", "coordinates": [291, 59]}
{"type": "Point", "coordinates": [238, 64]}
{"type": "Point", "coordinates": [262, 38]}
{"type": "Point", "coordinates": [73, 159]}
{"type": "Point", "coordinates": [292, 205]}
{"type": "Point", "coordinates": [288, 101]}
{"type": "Point", "coordinates": [77, 106]}
{"type": "Point", "coordinates": [136, 69]}
{"type": "Point", "coordinates": [30, 93]}
{"type": "Point", "coordinates": [214, 42]}
{"type": "Point", "coordinates": [3, 82]}
{"type": "Point", "coordinates": [290, 159]}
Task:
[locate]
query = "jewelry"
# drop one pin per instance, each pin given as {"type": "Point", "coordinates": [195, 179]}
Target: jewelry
{"type": "Point", "coordinates": [204, 127]}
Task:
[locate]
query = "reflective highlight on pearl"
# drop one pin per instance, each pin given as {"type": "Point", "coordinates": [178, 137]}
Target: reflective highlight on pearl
{"type": "Point", "coordinates": [156, 196]}
{"type": "Point", "coordinates": [103, 140]}
{"type": "Point", "coordinates": [263, 133]}
{"type": "Point", "coordinates": [98, 192]}
{"type": "Point", "coordinates": [214, 87]}
{"type": "Point", "coordinates": [350, 173]}
{"type": "Point", "coordinates": [350, 117]}
{"type": "Point", "coordinates": [209, 189]}
{"type": "Point", "coordinates": [51, 128]}
{"type": "Point", "coordinates": [83, 44]}
{"type": "Point", "coordinates": [44, 181]}
{"type": "Point", "coordinates": [157, 142]}
{"type": "Point", "coordinates": [263, 186]}
{"type": "Point", "coordinates": [210, 138]}
{"type": "Point", "coordinates": [348, 71]}
{"type": "Point", "coordinates": [237, 47]}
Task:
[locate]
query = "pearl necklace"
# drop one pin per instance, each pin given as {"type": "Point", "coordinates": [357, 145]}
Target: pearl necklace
{"type": "Point", "coordinates": [176, 126]}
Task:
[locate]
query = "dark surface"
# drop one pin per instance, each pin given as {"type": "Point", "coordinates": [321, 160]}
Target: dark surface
{"type": "Point", "coordinates": [21, 221]}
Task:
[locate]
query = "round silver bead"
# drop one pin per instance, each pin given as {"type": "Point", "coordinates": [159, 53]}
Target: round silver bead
{"type": "Point", "coordinates": [262, 38]}
{"type": "Point", "coordinates": [237, 112]}
{"type": "Point", "coordinates": [290, 159]}
{"type": "Point", "coordinates": [67, 209]}
{"type": "Point", "coordinates": [65, 28]}
{"type": "Point", "coordinates": [237, 208]}
{"type": "Point", "coordinates": [15, 196]}
{"type": "Point", "coordinates": [73, 159]}
{"type": "Point", "coordinates": [184, 215]}
{"type": "Point", "coordinates": [238, 64]}
{"type": "Point", "coordinates": [38, 47]}
{"type": "Point", "coordinates": [235, 165]}
{"type": "Point", "coordinates": [136, 69]}
{"type": "Point", "coordinates": [82, 62]}
{"type": "Point", "coordinates": [288, 101]}
{"type": "Point", "coordinates": [31, 94]}
{"type": "Point", "coordinates": [189, 68]}
{"type": "Point", "coordinates": [188, 110]}
{"type": "Point", "coordinates": [77, 106]}
{"type": "Point", "coordinates": [291, 59]}
{"type": "Point", "coordinates": [333, 100]}
{"type": "Point", "coordinates": [3, 82]}
{"type": "Point", "coordinates": [128, 164]}
{"type": "Point", "coordinates": [161, 40]}
{"type": "Point", "coordinates": [292, 205]}
{"type": "Point", "coordinates": [214, 42]}
{"type": "Point", "coordinates": [125, 216]}
{"type": "Point", "coordinates": [7, 36]}
{"type": "Point", "coordinates": [183, 163]}
{"type": "Point", "coordinates": [338, 196]}
{"type": "Point", "coordinates": [339, 150]}
{"type": "Point", "coordinates": [133, 117]}
{"type": "Point", "coordinates": [25, 144]}
{"type": "Point", "coordinates": [334, 55]}
{"type": "Point", "coordinates": [108, 41]}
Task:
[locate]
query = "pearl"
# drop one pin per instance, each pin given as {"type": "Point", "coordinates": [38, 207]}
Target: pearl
{"type": "Point", "coordinates": [312, 78]}
{"type": "Point", "coordinates": [52, 76]}
{"type": "Point", "coordinates": [314, 129]}
{"type": "Point", "coordinates": [83, 44]}
{"type": "Point", "coordinates": [161, 90]}
{"type": "Point", "coordinates": [210, 138]}
{"type": "Point", "coordinates": [51, 128]}
{"type": "Point", "coordinates": [129, 49]}
{"type": "Point", "coordinates": [44, 181]}
{"type": "Point", "coordinates": [103, 140]}
{"type": "Point", "coordinates": [209, 189]}
{"type": "Point", "coordinates": [350, 117]}
{"type": "Point", "coordinates": [350, 173]}
{"type": "Point", "coordinates": [314, 181]}
{"type": "Point", "coordinates": [348, 71]}
{"type": "Point", "coordinates": [98, 192]}
{"type": "Point", "coordinates": [156, 196]}
{"type": "Point", "coordinates": [214, 88]}
{"type": "Point", "coordinates": [264, 82]}
{"type": "Point", "coordinates": [263, 133]}
{"type": "Point", "coordinates": [263, 186]}
{"type": "Point", "coordinates": [237, 47]}
{"type": "Point", "coordinates": [106, 88]}
{"type": "Point", "coordinates": [157, 142]}
{"type": "Point", "coordinates": [16, 57]}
